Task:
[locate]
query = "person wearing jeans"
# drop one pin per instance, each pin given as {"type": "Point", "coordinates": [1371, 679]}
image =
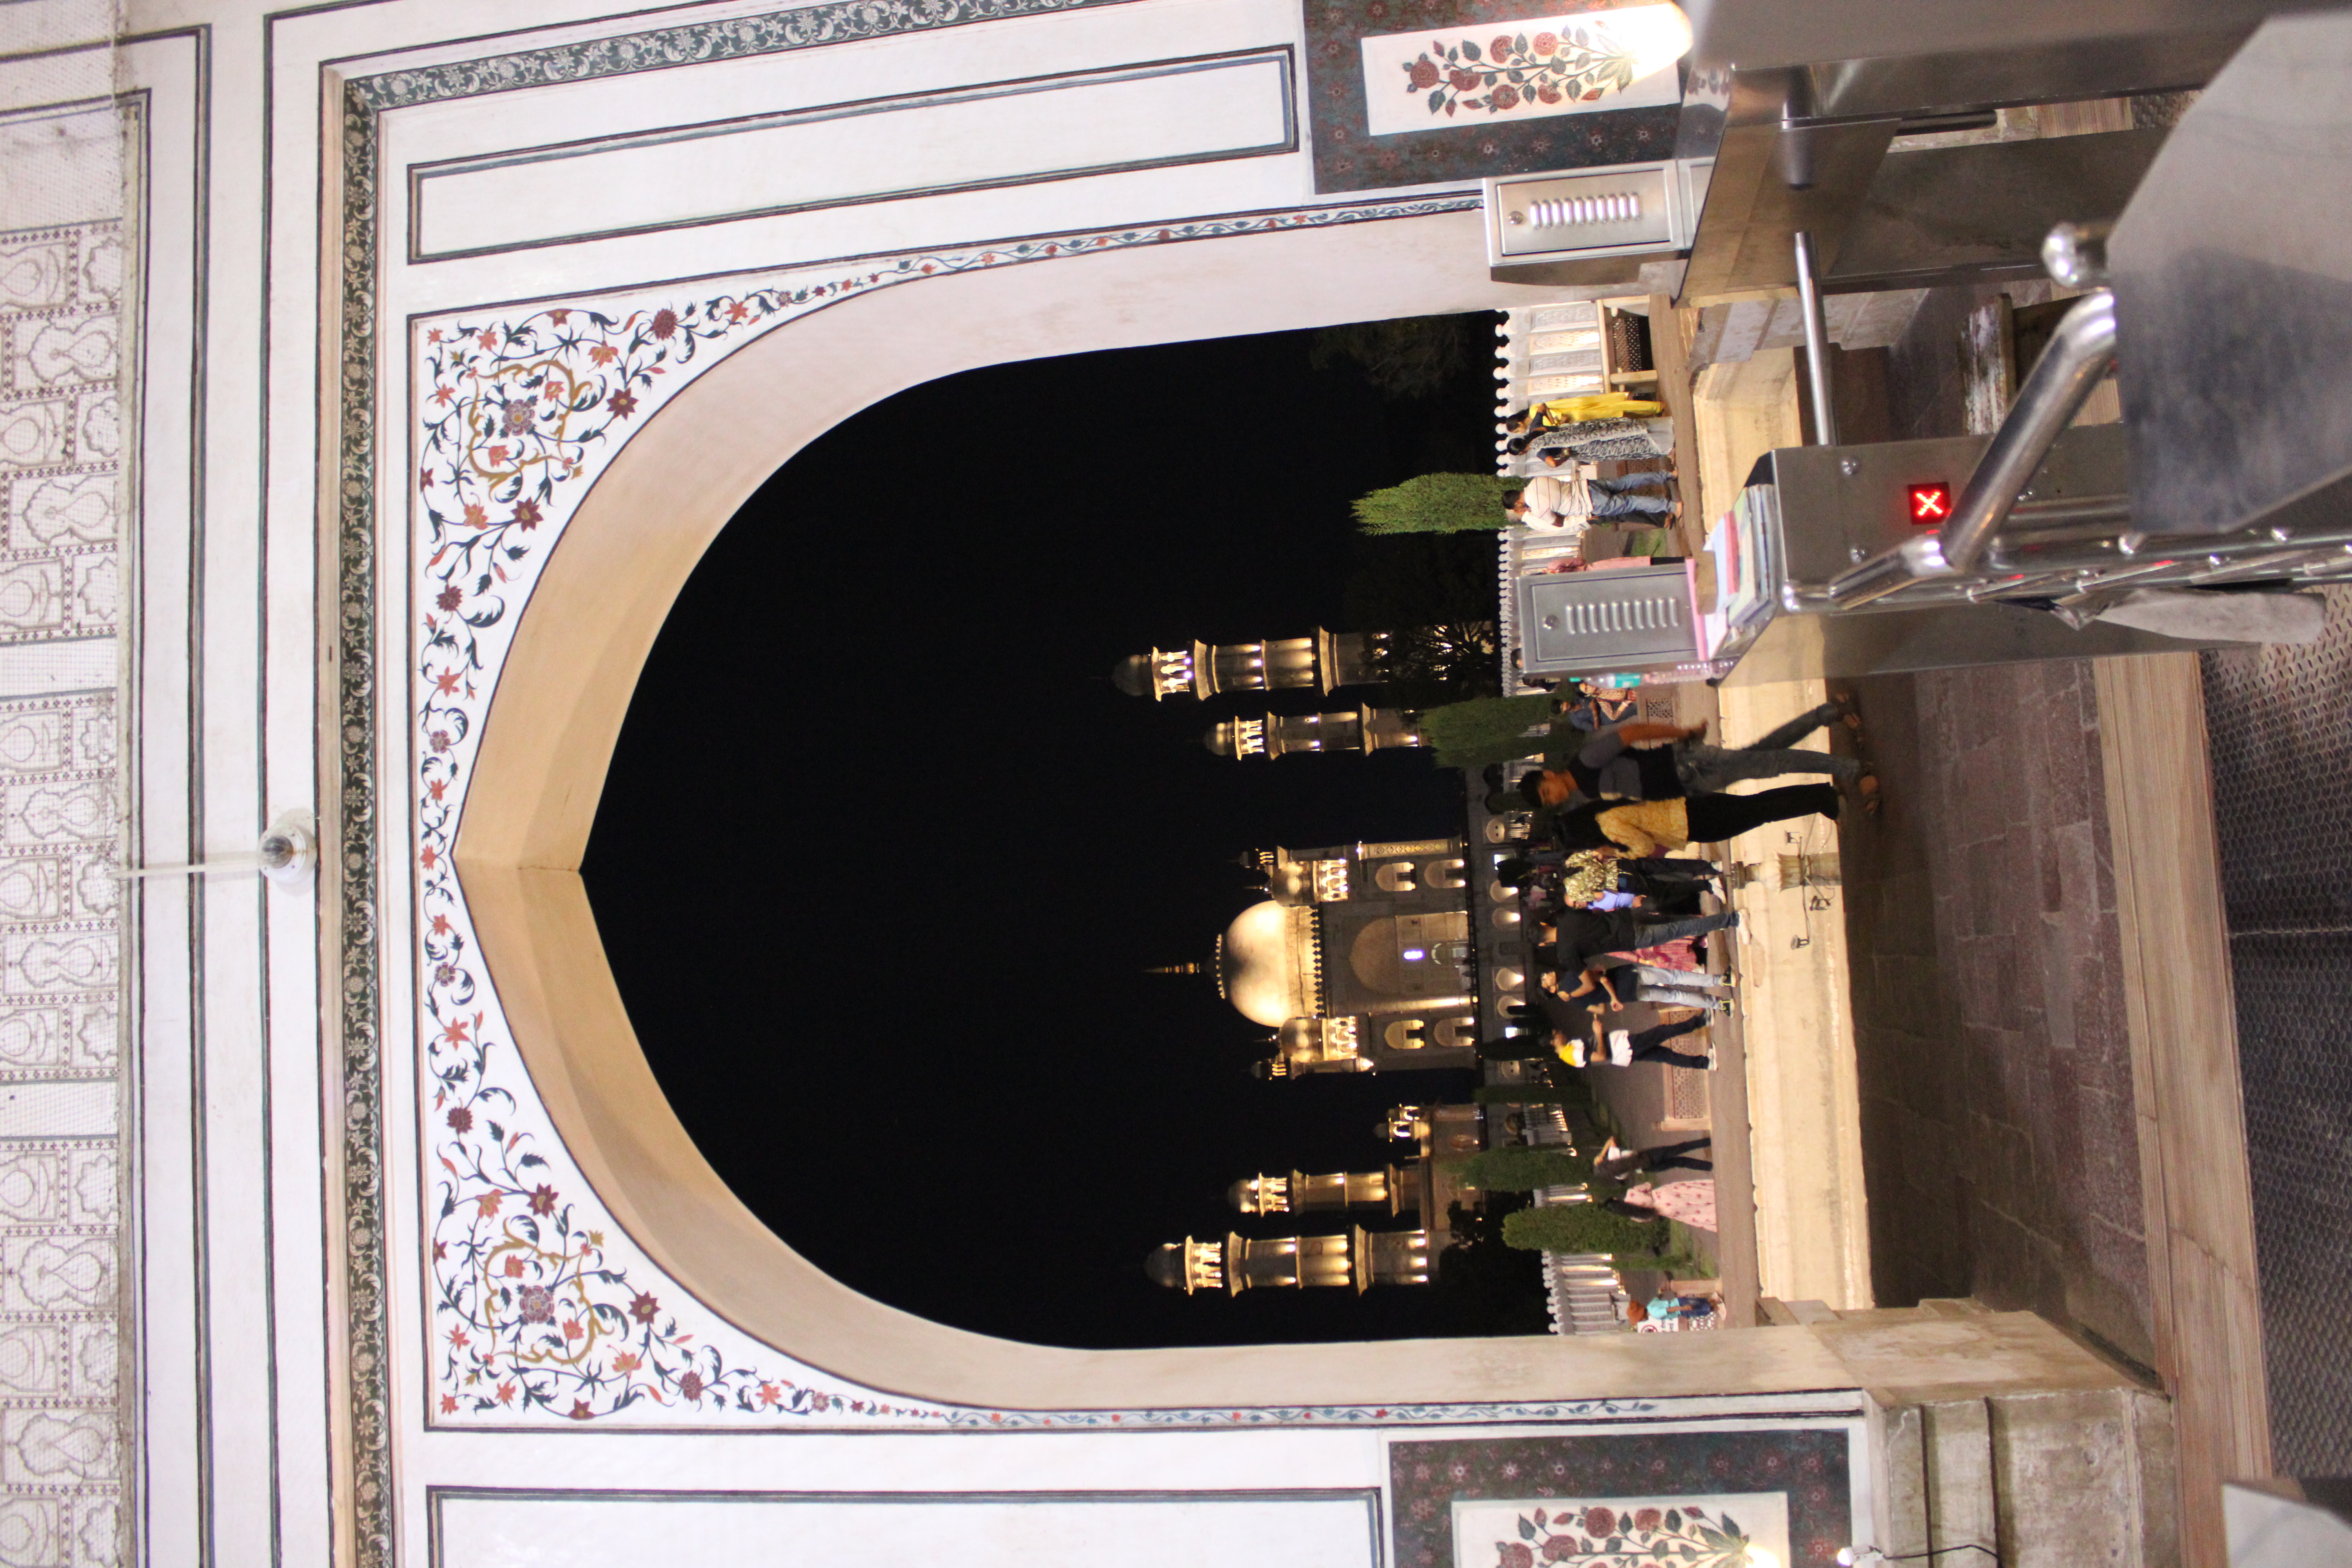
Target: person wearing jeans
{"type": "Point", "coordinates": [1663, 987]}
{"type": "Point", "coordinates": [1649, 1045]}
{"type": "Point", "coordinates": [1634, 494]}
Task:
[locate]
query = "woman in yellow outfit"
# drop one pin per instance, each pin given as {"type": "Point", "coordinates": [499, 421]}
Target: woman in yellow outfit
{"type": "Point", "coordinates": [1559, 411]}
{"type": "Point", "coordinates": [1644, 827]}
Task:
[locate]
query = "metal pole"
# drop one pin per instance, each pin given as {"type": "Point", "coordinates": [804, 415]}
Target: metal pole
{"type": "Point", "coordinates": [1817, 344]}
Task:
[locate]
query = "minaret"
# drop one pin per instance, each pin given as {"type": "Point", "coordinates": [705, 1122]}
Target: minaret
{"type": "Point", "coordinates": [1287, 734]}
{"type": "Point", "coordinates": [1323, 662]}
{"type": "Point", "coordinates": [1361, 1259]}
{"type": "Point", "coordinates": [1298, 1193]}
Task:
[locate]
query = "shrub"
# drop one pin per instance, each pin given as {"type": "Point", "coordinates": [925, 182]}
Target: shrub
{"type": "Point", "coordinates": [1583, 1228]}
{"type": "Point", "coordinates": [1438, 504]}
{"type": "Point", "coordinates": [1487, 729]}
{"type": "Point", "coordinates": [1524, 1169]}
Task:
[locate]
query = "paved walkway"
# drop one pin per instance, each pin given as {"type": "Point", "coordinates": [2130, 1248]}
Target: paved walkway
{"type": "Point", "coordinates": [1999, 1153]}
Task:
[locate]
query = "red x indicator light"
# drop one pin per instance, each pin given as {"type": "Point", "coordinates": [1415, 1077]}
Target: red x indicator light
{"type": "Point", "coordinates": [1931, 505]}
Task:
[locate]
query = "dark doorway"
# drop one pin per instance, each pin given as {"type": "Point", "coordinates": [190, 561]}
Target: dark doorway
{"type": "Point", "coordinates": [883, 857]}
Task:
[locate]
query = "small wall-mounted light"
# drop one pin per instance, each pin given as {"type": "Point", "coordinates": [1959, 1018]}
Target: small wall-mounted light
{"type": "Point", "coordinates": [286, 856]}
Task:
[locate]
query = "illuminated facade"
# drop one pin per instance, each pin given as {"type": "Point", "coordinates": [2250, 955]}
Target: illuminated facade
{"type": "Point", "coordinates": [1360, 959]}
{"type": "Point", "coordinates": [1357, 1257]}
{"type": "Point", "coordinates": [1364, 729]}
{"type": "Point", "coordinates": [1325, 662]}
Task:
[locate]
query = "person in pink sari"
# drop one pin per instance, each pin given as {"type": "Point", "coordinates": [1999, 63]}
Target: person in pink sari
{"type": "Point", "coordinates": [1692, 1203]}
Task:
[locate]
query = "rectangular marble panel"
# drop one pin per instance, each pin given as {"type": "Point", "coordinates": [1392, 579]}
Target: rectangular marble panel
{"type": "Point", "coordinates": [37, 964]}
{"type": "Point", "coordinates": [1694, 1498]}
{"type": "Point", "coordinates": [62, 349]}
{"type": "Point", "coordinates": [76, 664]}
{"type": "Point", "coordinates": [1707, 1531]}
{"type": "Point", "coordinates": [66, 1108]}
{"type": "Point", "coordinates": [490, 1529]}
{"type": "Point", "coordinates": [1008, 134]}
{"type": "Point", "coordinates": [62, 511]}
{"type": "Point", "coordinates": [33, 433]}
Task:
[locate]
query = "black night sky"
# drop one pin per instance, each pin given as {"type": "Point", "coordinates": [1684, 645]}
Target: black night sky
{"type": "Point", "coordinates": [883, 855]}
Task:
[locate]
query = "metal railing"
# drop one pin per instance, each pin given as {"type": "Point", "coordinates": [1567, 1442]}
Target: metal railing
{"type": "Point", "coordinates": [2001, 544]}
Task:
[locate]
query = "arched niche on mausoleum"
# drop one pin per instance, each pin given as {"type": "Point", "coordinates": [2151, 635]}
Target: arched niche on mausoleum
{"type": "Point", "coordinates": [564, 689]}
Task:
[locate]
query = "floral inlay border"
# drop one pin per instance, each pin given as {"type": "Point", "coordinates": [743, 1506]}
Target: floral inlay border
{"type": "Point", "coordinates": [695, 43]}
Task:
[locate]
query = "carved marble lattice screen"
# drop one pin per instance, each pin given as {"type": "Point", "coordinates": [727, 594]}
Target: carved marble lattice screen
{"type": "Point", "coordinates": [60, 452]}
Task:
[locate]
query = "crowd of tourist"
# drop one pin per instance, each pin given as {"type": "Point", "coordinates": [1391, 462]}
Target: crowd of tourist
{"type": "Point", "coordinates": [1613, 913]}
{"type": "Point", "coordinates": [1617, 915]}
{"type": "Point", "coordinates": [1618, 904]}
{"type": "Point", "coordinates": [1556, 447]}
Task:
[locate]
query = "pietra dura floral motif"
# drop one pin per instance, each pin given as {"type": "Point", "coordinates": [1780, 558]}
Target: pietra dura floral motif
{"type": "Point", "coordinates": [1479, 139]}
{"type": "Point", "coordinates": [1621, 1533]}
{"type": "Point", "coordinates": [1512, 71]}
{"type": "Point", "coordinates": [540, 1308]}
{"type": "Point", "coordinates": [1807, 1467]}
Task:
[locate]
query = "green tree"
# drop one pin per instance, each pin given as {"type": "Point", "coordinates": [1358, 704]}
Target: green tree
{"type": "Point", "coordinates": [1438, 504]}
{"type": "Point", "coordinates": [1585, 1227]}
{"type": "Point", "coordinates": [1414, 356]}
{"type": "Point", "coordinates": [1487, 729]}
{"type": "Point", "coordinates": [1517, 1170]}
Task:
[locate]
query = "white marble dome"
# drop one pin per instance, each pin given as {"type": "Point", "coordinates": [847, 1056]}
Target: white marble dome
{"type": "Point", "coordinates": [1265, 962]}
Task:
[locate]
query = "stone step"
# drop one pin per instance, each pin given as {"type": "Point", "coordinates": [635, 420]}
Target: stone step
{"type": "Point", "coordinates": [2076, 1479]}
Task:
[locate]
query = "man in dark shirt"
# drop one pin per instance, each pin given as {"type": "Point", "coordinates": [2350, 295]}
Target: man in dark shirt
{"type": "Point", "coordinates": [1645, 761]}
{"type": "Point", "coordinates": [1580, 936]}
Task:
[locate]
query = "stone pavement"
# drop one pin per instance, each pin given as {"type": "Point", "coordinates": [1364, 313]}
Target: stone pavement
{"type": "Point", "coordinates": [1999, 1153]}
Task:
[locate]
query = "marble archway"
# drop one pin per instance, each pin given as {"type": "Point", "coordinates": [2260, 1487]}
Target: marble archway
{"type": "Point", "coordinates": [569, 616]}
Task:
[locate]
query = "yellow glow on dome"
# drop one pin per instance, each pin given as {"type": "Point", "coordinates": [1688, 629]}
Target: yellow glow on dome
{"type": "Point", "coordinates": [1263, 961]}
